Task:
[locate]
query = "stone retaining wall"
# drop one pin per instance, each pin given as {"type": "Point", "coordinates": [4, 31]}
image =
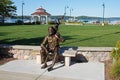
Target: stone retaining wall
{"type": "Point", "coordinates": [30, 52]}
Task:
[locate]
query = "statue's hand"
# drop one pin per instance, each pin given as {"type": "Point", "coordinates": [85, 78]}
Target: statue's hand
{"type": "Point", "coordinates": [46, 51]}
{"type": "Point", "coordinates": [63, 40]}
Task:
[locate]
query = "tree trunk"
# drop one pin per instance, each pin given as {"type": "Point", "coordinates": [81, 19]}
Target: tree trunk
{"type": "Point", "coordinates": [3, 19]}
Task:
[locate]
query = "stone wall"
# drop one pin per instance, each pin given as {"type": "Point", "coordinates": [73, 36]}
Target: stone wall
{"type": "Point", "coordinates": [96, 53]}
{"type": "Point", "coordinates": [22, 52]}
{"type": "Point", "coordinates": [29, 52]}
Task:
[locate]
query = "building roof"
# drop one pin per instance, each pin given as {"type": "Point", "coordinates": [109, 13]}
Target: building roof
{"type": "Point", "coordinates": [40, 11]}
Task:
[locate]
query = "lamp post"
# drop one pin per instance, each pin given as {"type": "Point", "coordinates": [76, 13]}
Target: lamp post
{"type": "Point", "coordinates": [22, 12]}
{"type": "Point", "coordinates": [70, 12]}
{"type": "Point", "coordinates": [65, 12]}
{"type": "Point", "coordinates": [103, 14]}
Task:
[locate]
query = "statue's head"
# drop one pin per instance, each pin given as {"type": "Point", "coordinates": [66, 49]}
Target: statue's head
{"type": "Point", "coordinates": [51, 31]}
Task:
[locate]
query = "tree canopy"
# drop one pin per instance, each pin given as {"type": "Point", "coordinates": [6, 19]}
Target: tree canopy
{"type": "Point", "coordinates": [7, 9]}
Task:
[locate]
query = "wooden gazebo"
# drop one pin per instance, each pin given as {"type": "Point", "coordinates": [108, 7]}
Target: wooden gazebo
{"type": "Point", "coordinates": [40, 15]}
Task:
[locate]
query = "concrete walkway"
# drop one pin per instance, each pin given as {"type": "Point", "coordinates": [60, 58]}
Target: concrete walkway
{"type": "Point", "coordinates": [30, 70]}
{"type": "Point", "coordinates": [5, 75]}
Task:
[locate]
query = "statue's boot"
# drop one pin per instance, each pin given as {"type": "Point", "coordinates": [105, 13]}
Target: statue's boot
{"type": "Point", "coordinates": [50, 69]}
{"type": "Point", "coordinates": [44, 66]}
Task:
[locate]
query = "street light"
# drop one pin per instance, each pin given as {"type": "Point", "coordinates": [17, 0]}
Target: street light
{"type": "Point", "coordinates": [70, 12]}
{"type": "Point", "coordinates": [103, 13]}
{"type": "Point", "coordinates": [65, 11]}
{"type": "Point", "coordinates": [22, 12]}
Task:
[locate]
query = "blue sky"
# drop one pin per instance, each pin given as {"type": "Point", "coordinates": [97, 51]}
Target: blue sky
{"type": "Point", "coordinates": [80, 7]}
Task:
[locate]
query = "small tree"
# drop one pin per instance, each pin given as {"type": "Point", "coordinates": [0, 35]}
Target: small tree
{"type": "Point", "coordinates": [7, 9]}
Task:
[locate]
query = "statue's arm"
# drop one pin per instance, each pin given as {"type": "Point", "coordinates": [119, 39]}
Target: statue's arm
{"type": "Point", "coordinates": [60, 38]}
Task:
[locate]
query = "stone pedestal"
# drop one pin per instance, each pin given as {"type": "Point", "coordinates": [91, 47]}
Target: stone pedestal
{"type": "Point", "coordinates": [68, 54]}
{"type": "Point", "coordinates": [38, 59]}
{"type": "Point", "coordinates": [67, 61]}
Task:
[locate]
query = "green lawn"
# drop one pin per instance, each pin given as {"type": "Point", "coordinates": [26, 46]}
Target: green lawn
{"type": "Point", "coordinates": [86, 35]}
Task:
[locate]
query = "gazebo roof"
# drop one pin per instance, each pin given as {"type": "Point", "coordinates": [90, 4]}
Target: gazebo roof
{"type": "Point", "coordinates": [40, 11]}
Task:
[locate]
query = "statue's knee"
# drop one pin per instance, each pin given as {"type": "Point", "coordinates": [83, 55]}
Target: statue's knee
{"type": "Point", "coordinates": [43, 55]}
{"type": "Point", "coordinates": [42, 51]}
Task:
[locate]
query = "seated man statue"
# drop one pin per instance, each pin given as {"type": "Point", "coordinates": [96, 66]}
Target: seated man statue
{"type": "Point", "coordinates": [51, 45]}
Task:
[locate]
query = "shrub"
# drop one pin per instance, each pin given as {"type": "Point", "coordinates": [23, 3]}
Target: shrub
{"type": "Point", "coordinates": [116, 51]}
{"type": "Point", "coordinates": [51, 22]}
{"type": "Point", "coordinates": [118, 44]}
{"type": "Point", "coordinates": [38, 22]}
{"type": "Point", "coordinates": [19, 22]}
{"type": "Point", "coordinates": [115, 70]}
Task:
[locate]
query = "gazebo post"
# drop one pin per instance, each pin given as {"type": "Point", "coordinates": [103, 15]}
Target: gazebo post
{"type": "Point", "coordinates": [39, 18]}
{"type": "Point", "coordinates": [46, 19]}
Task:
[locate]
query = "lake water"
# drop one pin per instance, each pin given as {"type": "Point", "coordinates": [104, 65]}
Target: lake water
{"type": "Point", "coordinates": [9, 20]}
{"type": "Point", "coordinates": [88, 20]}
{"type": "Point", "coordinates": [110, 20]}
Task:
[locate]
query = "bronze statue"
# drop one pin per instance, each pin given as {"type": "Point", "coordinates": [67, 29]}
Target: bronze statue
{"type": "Point", "coordinates": [50, 44]}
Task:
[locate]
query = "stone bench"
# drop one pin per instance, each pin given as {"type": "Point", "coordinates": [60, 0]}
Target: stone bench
{"type": "Point", "coordinates": [68, 54]}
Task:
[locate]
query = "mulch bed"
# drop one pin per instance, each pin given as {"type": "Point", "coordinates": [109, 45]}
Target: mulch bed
{"type": "Point", "coordinates": [108, 66]}
{"type": "Point", "coordinates": [5, 60]}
